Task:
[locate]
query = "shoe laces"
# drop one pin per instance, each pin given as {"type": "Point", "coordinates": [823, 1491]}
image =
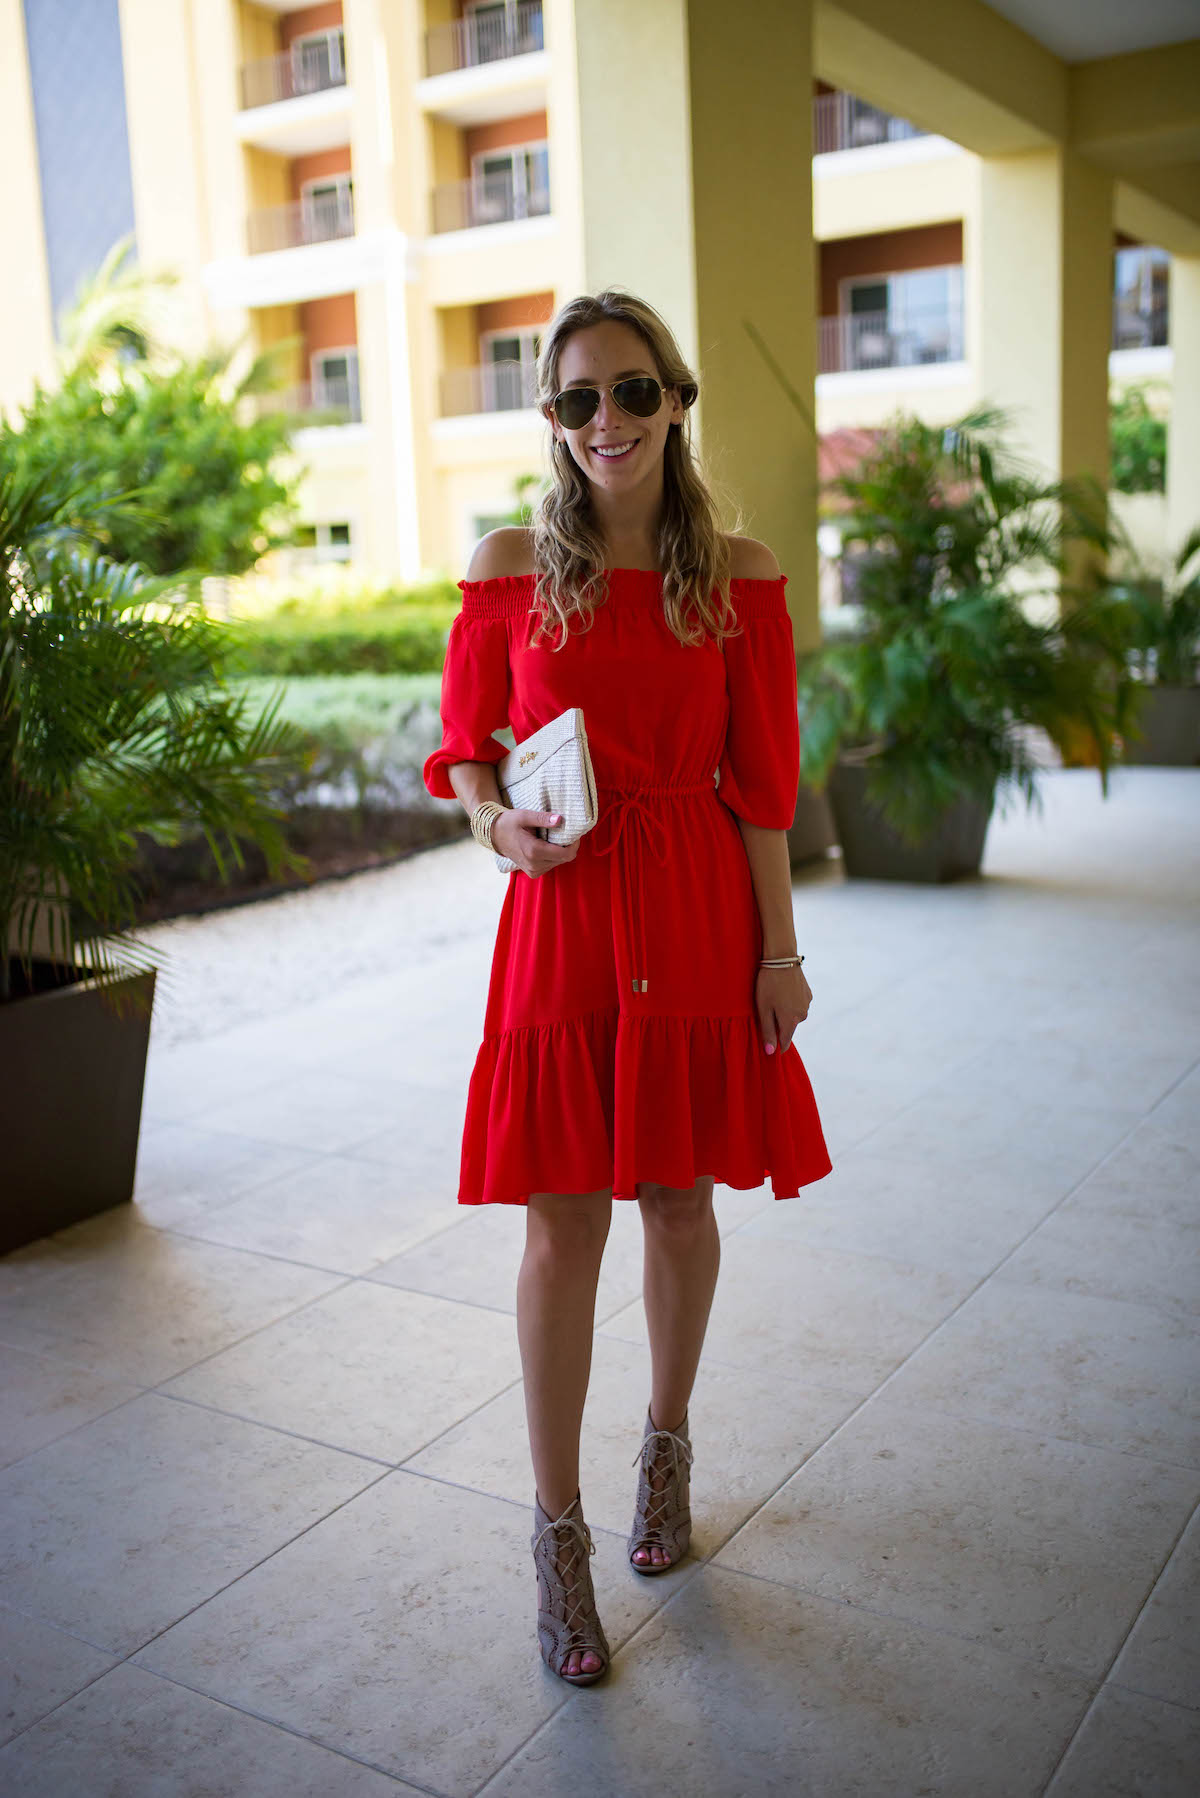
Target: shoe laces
{"type": "Point", "coordinates": [577, 1594]}
{"type": "Point", "coordinates": [658, 1502]}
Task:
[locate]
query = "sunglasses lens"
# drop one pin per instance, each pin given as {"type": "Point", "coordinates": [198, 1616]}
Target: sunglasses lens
{"type": "Point", "coordinates": [575, 405]}
{"type": "Point", "coordinates": [640, 396]}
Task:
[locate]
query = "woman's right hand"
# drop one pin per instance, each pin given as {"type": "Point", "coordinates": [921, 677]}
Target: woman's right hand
{"type": "Point", "coordinates": [514, 834]}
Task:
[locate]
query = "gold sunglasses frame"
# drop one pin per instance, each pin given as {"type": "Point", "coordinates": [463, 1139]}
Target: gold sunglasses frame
{"type": "Point", "coordinates": [688, 391]}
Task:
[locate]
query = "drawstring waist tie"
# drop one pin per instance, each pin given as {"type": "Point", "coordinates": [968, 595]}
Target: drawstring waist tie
{"type": "Point", "coordinates": [641, 809]}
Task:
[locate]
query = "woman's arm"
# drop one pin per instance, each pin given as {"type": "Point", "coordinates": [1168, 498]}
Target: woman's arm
{"type": "Point", "coordinates": [782, 996]}
{"type": "Point", "coordinates": [771, 872]}
{"type": "Point", "coordinates": [497, 553]}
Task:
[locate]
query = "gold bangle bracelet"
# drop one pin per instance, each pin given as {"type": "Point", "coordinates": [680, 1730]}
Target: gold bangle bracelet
{"type": "Point", "coordinates": [482, 820]}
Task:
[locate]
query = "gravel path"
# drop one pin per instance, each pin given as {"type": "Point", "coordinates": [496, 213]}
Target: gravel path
{"type": "Point", "coordinates": [259, 960]}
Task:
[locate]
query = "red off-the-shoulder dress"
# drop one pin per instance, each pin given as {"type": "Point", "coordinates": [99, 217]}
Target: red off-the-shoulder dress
{"type": "Point", "coordinates": [621, 1041]}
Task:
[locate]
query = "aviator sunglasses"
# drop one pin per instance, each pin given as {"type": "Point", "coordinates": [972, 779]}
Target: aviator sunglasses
{"type": "Point", "coordinates": [639, 395]}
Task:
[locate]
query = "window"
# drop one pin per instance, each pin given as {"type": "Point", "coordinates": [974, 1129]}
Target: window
{"type": "Point", "coordinates": [513, 183]}
{"type": "Point", "coordinates": [898, 320]}
{"type": "Point", "coordinates": [496, 28]}
{"type": "Point", "coordinates": [327, 208]}
{"type": "Point", "coordinates": [867, 124]}
{"type": "Point", "coordinates": [318, 61]}
{"type": "Point", "coordinates": [333, 542]}
{"type": "Point", "coordinates": [335, 384]}
{"type": "Point", "coordinates": [509, 368]}
{"type": "Point", "coordinates": [1140, 297]}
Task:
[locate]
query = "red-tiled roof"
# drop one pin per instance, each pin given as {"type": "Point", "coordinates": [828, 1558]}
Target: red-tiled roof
{"type": "Point", "coordinates": [841, 450]}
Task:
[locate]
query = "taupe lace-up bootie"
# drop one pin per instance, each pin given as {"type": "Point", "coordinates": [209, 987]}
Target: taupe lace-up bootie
{"type": "Point", "coordinates": [663, 1519]}
{"type": "Point", "coordinates": [567, 1618]}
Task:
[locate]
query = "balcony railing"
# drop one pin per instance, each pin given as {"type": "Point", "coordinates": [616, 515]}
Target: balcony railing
{"type": "Point", "coordinates": [332, 401]}
{"type": "Point", "coordinates": [486, 37]}
{"type": "Point", "coordinates": [842, 121]}
{"type": "Point", "coordinates": [1136, 328]}
{"type": "Point", "coordinates": [495, 387]}
{"type": "Point", "coordinates": [863, 340]}
{"type": "Point", "coordinates": [491, 200]}
{"type": "Point", "coordinates": [309, 67]}
{"type": "Point", "coordinates": [315, 220]}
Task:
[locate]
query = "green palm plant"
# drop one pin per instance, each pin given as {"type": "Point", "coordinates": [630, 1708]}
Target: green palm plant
{"type": "Point", "coordinates": [1165, 643]}
{"type": "Point", "coordinates": [946, 673]}
{"type": "Point", "coordinates": [115, 719]}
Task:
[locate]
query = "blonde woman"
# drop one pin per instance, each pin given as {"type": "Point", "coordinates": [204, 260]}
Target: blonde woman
{"type": "Point", "coordinates": [645, 982]}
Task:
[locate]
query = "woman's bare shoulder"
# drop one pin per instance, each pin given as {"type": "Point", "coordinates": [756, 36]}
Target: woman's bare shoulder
{"type": "Point", "coordinates": [750, 560]}
{"type": "Point", "coordinates": [508, 550]}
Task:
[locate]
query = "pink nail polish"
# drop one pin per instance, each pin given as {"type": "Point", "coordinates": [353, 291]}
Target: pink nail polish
{"type": "Point", "coordinates": [770, 1048]}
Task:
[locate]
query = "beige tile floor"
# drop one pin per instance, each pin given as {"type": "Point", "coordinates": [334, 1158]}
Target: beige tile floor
{"type": "Point", "coordinates": [264, 1487]}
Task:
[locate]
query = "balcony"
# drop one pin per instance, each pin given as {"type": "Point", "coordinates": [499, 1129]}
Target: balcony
{"type": "Point", "coordinates": [311, 67]}
{"type": "Point", "coordinates": [318, 219]}
{"type": "Point", "coordinates": [874, 340]}
{"type": "Point", "coordinates": [332, 401]}
{"type": "Point", "coordinates": [493, 387]}
{"type": "Point", "coordinates": [458, 205]}
{"type": "Point", "coordinates": [491, 36]}
{"type": "Point", "coordinates": [842, 121]}
{"type": "Point", "coordinates": [297, 104]}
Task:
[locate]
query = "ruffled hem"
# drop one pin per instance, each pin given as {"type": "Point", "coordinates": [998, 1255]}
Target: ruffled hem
{"type": "Point", "coordinates": [607, 1099]}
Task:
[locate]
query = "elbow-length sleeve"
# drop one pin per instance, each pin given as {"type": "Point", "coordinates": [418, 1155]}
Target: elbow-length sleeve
{"type": "Point", "coordinates": [475, 693]}
{"type": "Point", "coordinates": [760, 761]}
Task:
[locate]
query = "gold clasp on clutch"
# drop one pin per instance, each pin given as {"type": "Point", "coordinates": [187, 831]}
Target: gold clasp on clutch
{"type": "Point", "coordinates": [527, 758]}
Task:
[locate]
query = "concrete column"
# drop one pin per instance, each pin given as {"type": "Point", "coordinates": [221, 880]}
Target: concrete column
{"type": "Point", "coordinates": [395, 548]}
{"type": "Point", "coordinates": [1183, 429]}
{"type": "Point", "coordinates": [385, 50]}
{"type": "Point", "coordinates": [694, 189]}
{"type": "Point", "coordinates": [1038, 248]}
{"type": "Point", "coordinates": [164, 106]}
{"type": "Point", "coordinates": [26, 325]}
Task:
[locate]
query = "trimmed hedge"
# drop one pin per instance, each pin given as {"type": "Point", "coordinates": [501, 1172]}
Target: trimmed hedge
{"type": "Point", "coordinates": [350, 713]}
{"type": "Point", "coordinates": [409, 639]}
{"type": "Point", "coordinates": [369, 735]}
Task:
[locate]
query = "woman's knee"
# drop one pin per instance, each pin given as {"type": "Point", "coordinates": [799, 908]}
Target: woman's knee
{"type": "Point", "coordinates": [676, 1209]}
{"type": "Point", "coordinates": [569, 1224]}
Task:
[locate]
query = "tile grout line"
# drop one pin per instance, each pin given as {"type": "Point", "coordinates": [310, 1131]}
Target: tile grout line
{"type": "Point", "coordinates": [1107, 1678]}
{"type": "Point", "coordinates": [127, 1659]}
{"type": "Point", "coordinates": [240, 1710]}
{"type": "Point", "coordinates": [929, 1336]}
{"type": "Point", "coordinates": [709, 1561]}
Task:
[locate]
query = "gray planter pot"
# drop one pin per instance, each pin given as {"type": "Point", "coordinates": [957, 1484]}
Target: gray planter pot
{"type": "Point", "coordinates": [70, 1100]}
{"type": "Point", "coordinates": [1169, 719]}
{"type": "Point", "coordinates": [871, 849]}
{"type": "Point", "coordinates": [812, 833]}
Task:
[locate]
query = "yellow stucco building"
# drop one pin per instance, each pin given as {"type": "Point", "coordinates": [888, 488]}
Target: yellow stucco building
{"type": "Point", "coordinates": [920, 206]}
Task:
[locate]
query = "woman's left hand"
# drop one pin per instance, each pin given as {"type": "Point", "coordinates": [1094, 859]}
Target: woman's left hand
{"type": "Point", "coordinates": [782, 997]}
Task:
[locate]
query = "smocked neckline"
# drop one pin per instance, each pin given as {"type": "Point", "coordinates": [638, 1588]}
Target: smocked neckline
{"type": "Point", "coordinates": [652, 574]}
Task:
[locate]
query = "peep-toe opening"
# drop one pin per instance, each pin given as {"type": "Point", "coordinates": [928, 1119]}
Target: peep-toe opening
{"type": "Point", "coordinates": [568, 1621]}
{"type": "Point", "coordinates": [662, 1519]}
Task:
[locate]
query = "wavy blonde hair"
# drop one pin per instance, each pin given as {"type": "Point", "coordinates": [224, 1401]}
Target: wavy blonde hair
{"type": "Point", "coordinates": [568, 547]}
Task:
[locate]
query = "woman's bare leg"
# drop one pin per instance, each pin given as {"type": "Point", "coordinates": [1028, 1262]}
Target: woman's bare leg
{"type": "Point", "coordinates": [682, 1260]}
{"type": "Point", "coordinates": [565, 1234]}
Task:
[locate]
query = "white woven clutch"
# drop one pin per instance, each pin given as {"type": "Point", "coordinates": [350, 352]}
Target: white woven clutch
{"type": "Point", "coordinates": [551, 771]}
